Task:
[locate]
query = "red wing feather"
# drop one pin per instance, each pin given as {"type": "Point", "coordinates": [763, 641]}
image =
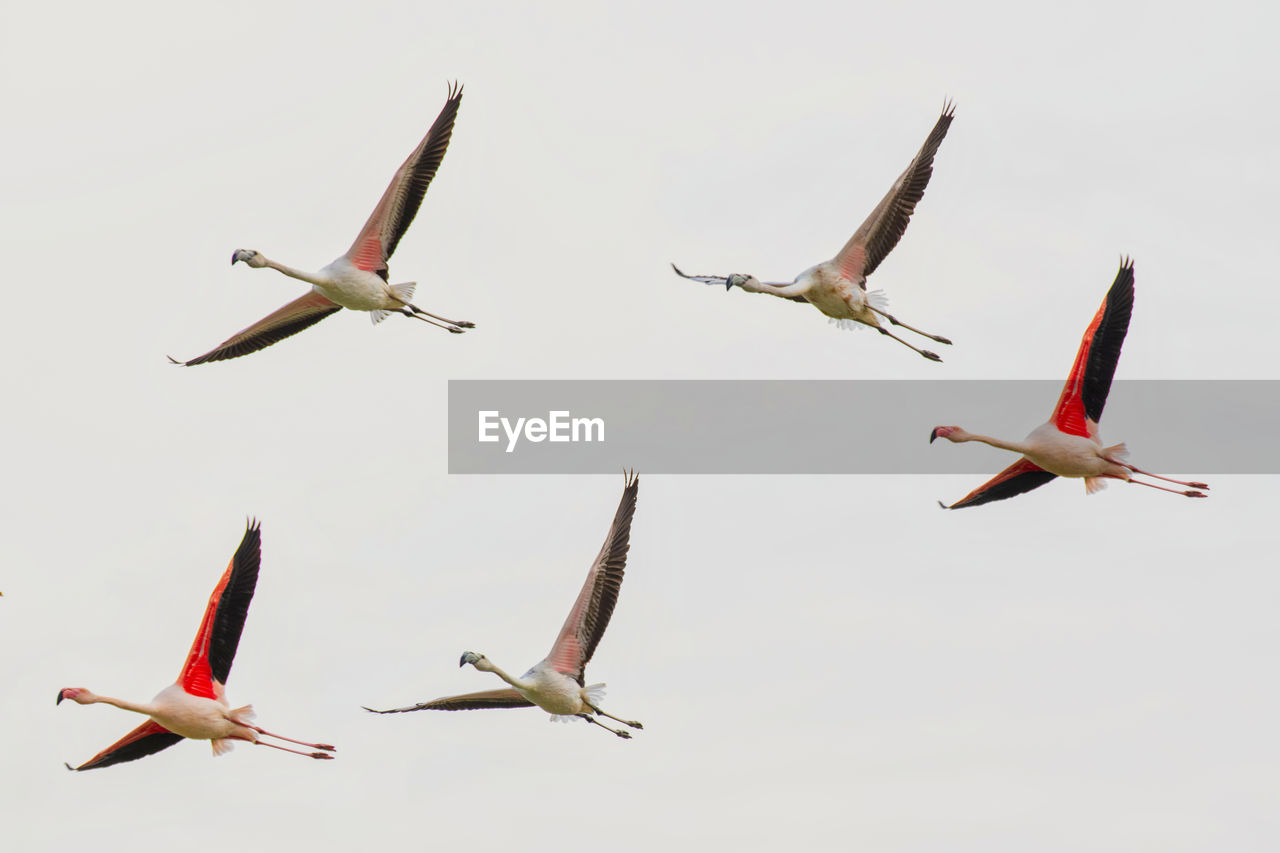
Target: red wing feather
{"type": "Point", "coordinates": [209, 661]}
{"type": "Point", "coordinates": [1022, 476]}
{"type": "Point", "coordinates": [1089, 382]}
{"type": "Point", "coordinates": [146, 739]}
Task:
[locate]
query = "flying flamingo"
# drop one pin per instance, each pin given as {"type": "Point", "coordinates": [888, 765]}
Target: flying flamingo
{"type": "Point", "coordinates": [557, 683]}
{"type": "Point", "coordinates": [358, 279]}
{"type": "Point", "coordinates": [194, 706]}
{"type": "Point", "coordinates": [1068, 444]}
{"type": "Point", "coordinates": [838, 287]}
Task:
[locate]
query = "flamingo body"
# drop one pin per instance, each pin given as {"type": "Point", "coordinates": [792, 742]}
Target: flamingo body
{"type": "Point", "coordinates": [195, 705]}
{"type": "Point", "coordinates": [1068, 444]}
{"type": "Point", "coordinates": [557, 683]}
{"type": "Point", "coordinates": [838, 287]}
{"type": "Point", "coordinates": [358, 280]}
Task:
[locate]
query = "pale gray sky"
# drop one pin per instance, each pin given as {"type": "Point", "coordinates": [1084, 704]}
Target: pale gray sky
{"type": "Point", "coordinates": [825, 661]}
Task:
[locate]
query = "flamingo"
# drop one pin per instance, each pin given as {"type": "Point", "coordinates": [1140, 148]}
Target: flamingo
{"type": "Point", "coordinates": [195, 706]}
{"type": "Point", "coordinates": [557, 683]}
{"type": "Point", "coordinates": [838, 287]}
{"type": "Point", "coordinates": [1067, 445]}
{"type": "Point", "coordinates": [357, 280]}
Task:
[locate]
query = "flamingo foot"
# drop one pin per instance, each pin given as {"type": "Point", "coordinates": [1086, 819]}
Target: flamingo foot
{"type": "Point", "coordinates": [940, 339]}
{"type": "Point", "coordinates": [321, 755]}
{"type": "Point", "coordinates": [1198, 485]}
{"type": "Point", "coordinates": [622, 734]}
{"type": "Point", "coordinates": [1195, 494]}
{"type": "Point", "coordinates": [932, 356]}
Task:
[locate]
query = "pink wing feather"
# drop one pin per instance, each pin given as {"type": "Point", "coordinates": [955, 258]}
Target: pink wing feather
{"type": "Point", "coordinates": [591, 611]}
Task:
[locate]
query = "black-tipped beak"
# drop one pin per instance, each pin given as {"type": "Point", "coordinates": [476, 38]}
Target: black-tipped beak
{"type": "Point", "coordinates": [59, 702]}
{"type": "Point", "coordinates": [235, 256]}
{"type": "Point", "coordinates": [932, 436]}
{"type": "Point", "coordinates": [728, 285]}
{"type": "Point", "coordinates": [462, 661]}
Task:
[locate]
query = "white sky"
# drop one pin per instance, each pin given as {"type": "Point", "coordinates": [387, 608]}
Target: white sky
{"type": "Point", "coordinates": [820, 662]}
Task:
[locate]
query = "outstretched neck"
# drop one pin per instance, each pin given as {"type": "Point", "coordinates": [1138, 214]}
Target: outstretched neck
{"type": "Point", "coordinates": [1015, 446]}
{"type": "Point", "coordinates": [796, 288]}
{"type": "Point", "coordinates": [514, 682]}
{"type": "Point", "coordinates": [310, 278]}
{"type": "Point", "coordinates": [125, 704]}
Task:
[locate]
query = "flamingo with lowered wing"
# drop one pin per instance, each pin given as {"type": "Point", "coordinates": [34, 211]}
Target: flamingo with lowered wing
{"type": "Point", "coordinates": [557, 684]}
{"type": "Point", "coordinates": [195, 705]}
{"type": "Point", "coordinates": [359, 279]}
{"type": "Point", "coordinates": [838, 287]}
{"type": "Point", "coordinates": [1068, 444]}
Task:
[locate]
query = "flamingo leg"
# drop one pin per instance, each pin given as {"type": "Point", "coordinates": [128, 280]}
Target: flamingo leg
{"type": "Point", "coordinates": [263, 731]}
{"type": "Point", "coordinates": [1190, 494]}
{"type": "Point", "coordinates": [633, 723]}
{"type": "Point", "coordinates": [406, 312]}
{"type": "Point", "coordinates": [462, 324]}
{"type": "Point", "coordinates": [619, 732]}
{"type": "Point", "coordinates": [1138, 470]}
{"type": "Point", "coordinates": [895, 321]}
{"type": "Point", "coordinates": [294, 751]}
{"type": "Point", "coordinates": [932, 356]}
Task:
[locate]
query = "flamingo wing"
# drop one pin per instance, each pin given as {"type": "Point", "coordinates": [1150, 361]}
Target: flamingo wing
{"type": "Point", "coordinates": [589, 617]}
{"type": "Point", "coordinates": [399, 204]}
{"type": "Point", "coordinates": [209, 661]}
{"type": "Point", "coordinates": [722, 280]}
{"type": "Point", "coordinates": [1083, 397]}
{"type": "Point", "coordinates": [506, 697]}
{"type": "Point", "coordinates": [882, 230]}
{"type": "Point", "coordinates": [146, 739]}
{"type": "Point", "coordinates": [301, 313]}
{"type": "Point", "coordinates": [1022, 476]}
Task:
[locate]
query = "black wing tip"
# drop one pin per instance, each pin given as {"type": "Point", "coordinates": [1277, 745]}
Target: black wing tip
{"type": "Point", "coordinates": [72, 769]}
{"type": "Point", "coordinates": [173, 360]}
{"type": "Point", "coordinates": [455, 91]}
{"type": "Point", "coordinates": [948, 108]}
{"type": "Point", "coordinates": [1124, 277]}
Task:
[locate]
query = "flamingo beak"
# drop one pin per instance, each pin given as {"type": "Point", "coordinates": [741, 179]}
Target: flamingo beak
{"type": "Point", "coordinates": [933, 435]}
{"type": "Point", "coordinates": [462, 661]}
{"type": "Point", "coordinates": [728, 285]}
{"type": "Point", "coordinates": [60, 698]}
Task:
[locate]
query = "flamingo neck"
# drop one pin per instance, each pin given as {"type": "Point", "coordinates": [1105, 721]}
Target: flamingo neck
{"type": "Point", "coordinates": [514, 682]}
{"type": "Point", "coordinates": [124, 704]}
{"type": "Point", "coordinates": [1015, 446]}
{"type": "Point", "coordinates": [796, 288]}
{"type": "Point", "coordinates": [309, 278]}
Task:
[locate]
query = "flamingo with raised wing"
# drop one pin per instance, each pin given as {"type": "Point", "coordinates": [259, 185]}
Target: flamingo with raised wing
{"type": "Point", "coordinates": [359, 279]}
{"type": "Point", "coordinates": [195, 705]}
{"type": "Point", "coordinates": [1068, 444]}
{"type": "Point", "coordinates": [557, 683]}
{"type": "Point", "coordinates": [838, 287]}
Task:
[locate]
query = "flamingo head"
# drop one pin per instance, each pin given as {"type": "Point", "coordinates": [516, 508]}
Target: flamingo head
{"type": "Point", "coordinates": [746, 282]}
{"type": "Point", "coordinates": [252, 257]}
{"type": "Point", "coordinates": [76, 694]}
{"type": "Point", "coordinates": [478, 661]}
{"type": "Point", "coordinates": [950, 433]}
